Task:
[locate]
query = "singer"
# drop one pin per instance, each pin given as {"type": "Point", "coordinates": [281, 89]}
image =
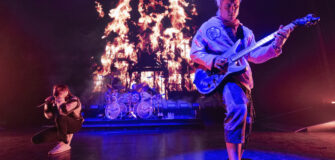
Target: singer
{"type": "Point", "coordinates": [65, 110]}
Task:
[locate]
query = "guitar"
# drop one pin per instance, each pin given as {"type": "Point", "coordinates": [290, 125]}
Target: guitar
{"type": "Point", "coordinates": [207, 81]}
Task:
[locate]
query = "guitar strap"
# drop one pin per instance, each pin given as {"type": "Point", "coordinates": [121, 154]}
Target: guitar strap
{"type": "Point", "coordinates": [239, 35]}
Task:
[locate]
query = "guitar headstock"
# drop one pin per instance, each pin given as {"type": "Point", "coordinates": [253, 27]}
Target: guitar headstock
{"type": "Point", "coordinates": [309, 20]}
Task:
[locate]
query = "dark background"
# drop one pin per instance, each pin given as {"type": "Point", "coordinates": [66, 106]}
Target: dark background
{"type": "Point", "coordinates": [44, 42]}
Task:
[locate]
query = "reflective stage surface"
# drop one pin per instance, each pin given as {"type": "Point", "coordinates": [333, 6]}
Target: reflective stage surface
{"type": "Point", "coordinates": [170, 145]}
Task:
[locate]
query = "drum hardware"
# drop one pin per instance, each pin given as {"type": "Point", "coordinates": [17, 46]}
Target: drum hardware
{"type": "Point", "coordinates": [131, 114]}
{"type": "Point", "coordinates": [142, 101]}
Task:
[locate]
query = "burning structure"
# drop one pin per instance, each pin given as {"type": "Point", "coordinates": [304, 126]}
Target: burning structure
{"type": "Point", "coordinates": [148, 45]}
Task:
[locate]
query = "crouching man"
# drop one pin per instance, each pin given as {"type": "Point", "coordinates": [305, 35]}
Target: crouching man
{"type": "Point", "coordinates": [65, 110]}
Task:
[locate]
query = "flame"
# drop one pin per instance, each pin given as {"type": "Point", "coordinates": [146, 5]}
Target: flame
{"type": "Point", "coordinates": [98, 6]}
{"type": "Point", "coordinates": [161, 31]}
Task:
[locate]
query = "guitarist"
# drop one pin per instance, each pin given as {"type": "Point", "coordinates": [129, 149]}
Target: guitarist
{"type": "Point", "coordinates": [224, 35]}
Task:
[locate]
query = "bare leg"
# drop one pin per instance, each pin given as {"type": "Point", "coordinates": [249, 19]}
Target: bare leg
{"type": "Point", "coordinates": [69, 138]}
{"type": "Point", "coordinates": [234, 151]}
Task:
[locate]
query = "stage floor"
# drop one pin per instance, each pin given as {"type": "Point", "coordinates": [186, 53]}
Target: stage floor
{"type": "Point", "coordinates": [177, 144]}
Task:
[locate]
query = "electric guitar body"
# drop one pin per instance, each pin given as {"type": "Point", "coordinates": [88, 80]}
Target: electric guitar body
{"type": "Point", "coordinates": [207, 81]}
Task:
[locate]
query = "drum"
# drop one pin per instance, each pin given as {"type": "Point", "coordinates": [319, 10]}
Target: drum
{"type": "Point", "coordinates": [144, 110]}
{"type": "Point", "coordinates": [115, 110]}
{"type": "Point", "coordinates": [125, 98]}
{"type": "Point", "coordinates": [111, 96]}
{"type": "Point", "coordinates": [145, 96]}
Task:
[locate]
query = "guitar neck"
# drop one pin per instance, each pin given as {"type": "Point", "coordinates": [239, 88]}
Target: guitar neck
{"type": "Point", "coordinates": [258, 44]}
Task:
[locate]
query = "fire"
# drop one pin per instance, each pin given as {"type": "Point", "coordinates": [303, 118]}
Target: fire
{"type": "Point", "coordinates": [159, 33]}
{"type": "Point", "coordinates": [98, 6]}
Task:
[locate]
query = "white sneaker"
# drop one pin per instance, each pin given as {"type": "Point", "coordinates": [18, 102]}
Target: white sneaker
{"type": "Point", "coordinates": [60, 147]}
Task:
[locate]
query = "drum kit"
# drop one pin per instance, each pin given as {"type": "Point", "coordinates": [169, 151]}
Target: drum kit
{"type": "Point", "coordinates": [140, 102]}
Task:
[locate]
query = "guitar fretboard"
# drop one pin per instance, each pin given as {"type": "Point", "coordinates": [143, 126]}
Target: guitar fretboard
{"type": "Point", "coordinates": [258, 44]}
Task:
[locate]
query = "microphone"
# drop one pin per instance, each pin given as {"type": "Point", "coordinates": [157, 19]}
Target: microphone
{"type": "Point", "coordinates": [50, 99]}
